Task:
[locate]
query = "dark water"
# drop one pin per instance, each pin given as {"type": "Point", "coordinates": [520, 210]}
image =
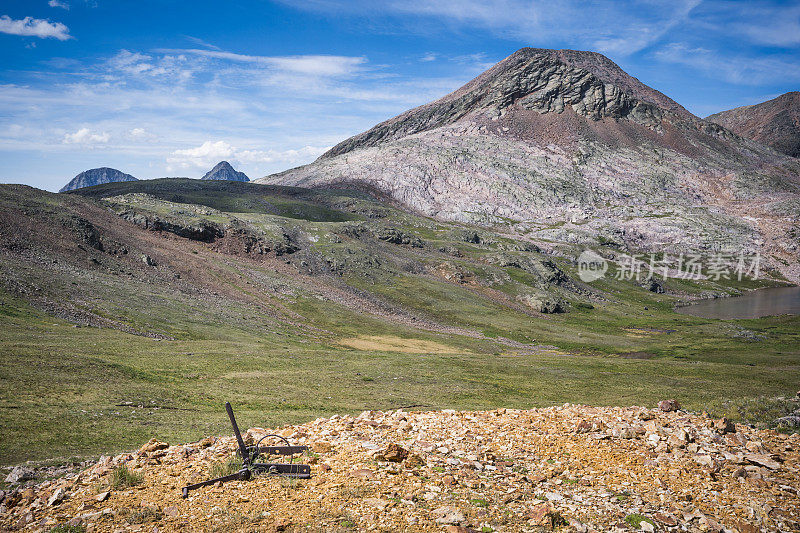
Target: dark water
{"type": "Point", "coordinates": [754, 304]}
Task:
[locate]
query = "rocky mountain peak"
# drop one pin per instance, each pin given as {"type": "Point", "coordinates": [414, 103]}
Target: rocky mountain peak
{"type": "Point", "coordinates": [775, 123]}
{"type": "Point", "coordinates": [224, 171]}
{"type": "Point", "coordinates": [96, 176]}
{"type": "Point", "coordinates": [547, 81]}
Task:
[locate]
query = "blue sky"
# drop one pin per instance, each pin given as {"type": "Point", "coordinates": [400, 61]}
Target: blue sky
{"type": "Point", "coordinates": [167, 88]}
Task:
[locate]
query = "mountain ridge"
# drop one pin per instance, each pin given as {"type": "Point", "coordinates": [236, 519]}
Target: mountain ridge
{"type": "Point", "coordinates": [775, 123]}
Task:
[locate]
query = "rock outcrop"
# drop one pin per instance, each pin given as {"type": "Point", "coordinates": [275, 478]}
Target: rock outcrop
{"type": "Point", "coordinates": [224, 171]}
{"type": "Point", "coordinates": [96, 176]}
{"type": "Point", "coordinates": [775, 122]}
{"type": "Point", "coordinates": [537, 79]}
{"type": "Point", "coordinates": [564, 146]}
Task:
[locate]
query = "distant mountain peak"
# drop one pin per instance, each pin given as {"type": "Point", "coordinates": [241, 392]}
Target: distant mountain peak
{"type": "Point", "coordinates": [775, 123]}
{"type": "Point", "coordinates": [96, 176]}
{"type": "Point", "coordinates": [224, 171]}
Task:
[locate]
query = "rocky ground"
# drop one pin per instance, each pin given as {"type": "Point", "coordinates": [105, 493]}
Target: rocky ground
{"type": "Point", "coordinates": [572, 468]}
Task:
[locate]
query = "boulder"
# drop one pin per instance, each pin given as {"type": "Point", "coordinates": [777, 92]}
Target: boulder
{"type": "Point", "coordinates": [153, 445]}
{"type": "Point", "coordinates": [395, 453]}
{"type": "Point", "coordinates": [19, 474]}
{"type": "Point", "coordinates": [57, 497]}
{"type": "Point", "coordinates": [669, 405]}
{"type": "Point", "coordinates": [544, 304]}
{"type": "Point", "coordinates": [723, 426]}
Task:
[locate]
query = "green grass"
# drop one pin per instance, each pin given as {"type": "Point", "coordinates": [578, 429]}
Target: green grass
{"type": "Point", "coordinates": [269, 342]}
{"type": "Point", "coordinates": [67, 405]}
{"type": "Point", "coordinates": [122, 478]}
{"type": "Point", "coordinates": [66, 528]}
{"type": "Point", "coordinates": [635, 520]}
{"type": "Point", "coordinates": [225, 468]}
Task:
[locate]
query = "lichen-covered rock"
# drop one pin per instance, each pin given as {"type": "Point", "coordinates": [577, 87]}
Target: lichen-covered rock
{"type": "Point", "coordinates": [153, 445]}
{"type": "Point", "coordinates": [395, 453]}
{"type": "Point", "coordinates": [543, 303]}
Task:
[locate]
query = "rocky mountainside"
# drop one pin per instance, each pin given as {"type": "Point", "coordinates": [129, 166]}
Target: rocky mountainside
{"type": "Point", "coordinates": [569, 468]}
{"type": "Point", "coordinates": [560, 145]}
{"type": "Point", "coordinates": [96, 176]}
{"type": "Point", "coordinates": [224, 171]}
{"type": "Point", "coordinates": [775, 122]}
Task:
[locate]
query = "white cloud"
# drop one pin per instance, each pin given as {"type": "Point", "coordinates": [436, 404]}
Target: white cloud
{"type": "Point", "coordinates": [767, 23]}
{"type": "Point", "coordinates": [302, 155]}
{"type": "Point", "coordinates": [429, 56]}
{"type": "Point", "coordinates": [85, 136]}
{"type": "Point", "coordinates": [31, 27]}
{"type": "Point", "coordinates": [141, 135]}
{"type": "Point", "coordinates": [312, 65]}
{"type": "Point", "coordinates": [58, 3]}
{"type": "Point", "coordinates": [201, 42]}
{"type": "Point", "coordinates": [212, 152]}
{"type": "Point", "coordinates": [621, 27]}
{"type": "Point", "coordinates": [738, 70]}
{"type": "Point", "coordinates": [208, 153]}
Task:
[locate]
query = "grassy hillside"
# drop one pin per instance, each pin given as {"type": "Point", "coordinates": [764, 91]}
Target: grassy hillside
{"type": "Point", "coordinates": [133, 310]}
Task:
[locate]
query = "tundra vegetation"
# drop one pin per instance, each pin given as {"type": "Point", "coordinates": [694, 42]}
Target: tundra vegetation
{"type": "Point", "coordinates": [136, 309]}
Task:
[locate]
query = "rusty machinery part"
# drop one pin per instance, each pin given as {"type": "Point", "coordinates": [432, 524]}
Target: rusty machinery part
{"type": "Point", "coordinates": [250, 453]}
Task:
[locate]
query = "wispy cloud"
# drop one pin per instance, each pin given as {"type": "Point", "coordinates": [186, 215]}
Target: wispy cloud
{"type": "Point", "coordinates": [201, 42]}
{"type": "Point", "coordinates": [620, 28]}
{"type": "Point", "coordinates": [642, 33]}
{"type": "Point", "coordinates": [775, 24]}
{"type": "Point", "coordinates": [735, 69]}
{"type": "Point", "coordinates": [211, 152]}
{"type": "Point", "coordinates": [58, 3]}
{"type": "Point", "coordinates": [31, 27]}
{"type": "Point", "coordinates": [314, 65]}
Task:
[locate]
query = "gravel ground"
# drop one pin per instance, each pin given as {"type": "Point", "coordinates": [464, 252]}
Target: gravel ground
{"type": "Point", "coordinates": [572, 468]}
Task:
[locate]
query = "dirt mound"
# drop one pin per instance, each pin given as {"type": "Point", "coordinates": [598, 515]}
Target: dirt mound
{"type": "Point", "coordinates": [574, 468]}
